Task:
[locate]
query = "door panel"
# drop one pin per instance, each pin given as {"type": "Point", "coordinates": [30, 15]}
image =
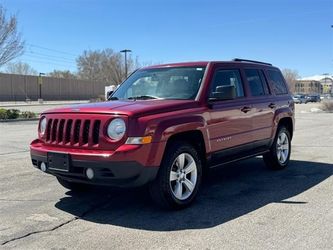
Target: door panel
{"type": "Point", "coordinates": [262, 119]}
{"type": "Point", "coordinates": [230, 123]}
{"type": "Point", "coordinates": [262, 103]}
{"type": "Point", "coordinates": [229, 126]}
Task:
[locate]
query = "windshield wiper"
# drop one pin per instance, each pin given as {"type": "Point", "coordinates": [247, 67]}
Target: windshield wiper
{"type": "Point", "coordinates": [142, 97]}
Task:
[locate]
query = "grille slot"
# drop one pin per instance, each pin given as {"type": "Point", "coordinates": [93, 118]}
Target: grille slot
{"type": "Point", "coordinates": [77, 131]}
{"type": "Point", "coordinates": [85, 135]}
{"type": "Point", "coordinates": [54, 130]}
{"type": "Point", "coordinates": [61, 130]}
{"type": "Point", "coordinates": [68, 131]}
{"type": "Point", "coordinates": [48, 129]}
{"type": "Point", "coordinates": [96, 127]}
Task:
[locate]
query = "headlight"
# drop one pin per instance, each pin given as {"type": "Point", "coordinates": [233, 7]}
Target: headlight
{"type": "Point", "coordinates": [116, 129]}
{"type": "Point", "coordinates": [42, 126]}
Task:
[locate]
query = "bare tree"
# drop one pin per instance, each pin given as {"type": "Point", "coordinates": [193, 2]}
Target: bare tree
{"type": "Point", "coordinates": [11, 44]}
{"type": "Point", "coordinates": [291, 77]}
{"type": "Point", "coordinates": [20, 68]}
{"type": "Point", "coordinates": [62, 74]}
{"type": "Point", "coordinates": [103, 65]}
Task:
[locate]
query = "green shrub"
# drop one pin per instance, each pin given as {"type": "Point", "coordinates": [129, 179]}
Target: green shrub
{"type": "Point", "coordinates": [28, 114]}
{"type": "Point", "coordinates": [3, 114]}
{"type": "Point", "coordinates": [13, 113]}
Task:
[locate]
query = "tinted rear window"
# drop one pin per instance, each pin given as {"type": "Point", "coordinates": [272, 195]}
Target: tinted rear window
{"type": "Point", "coordinates": [277, 82]}
{"type": "Point", "coordinates": [255, 83]}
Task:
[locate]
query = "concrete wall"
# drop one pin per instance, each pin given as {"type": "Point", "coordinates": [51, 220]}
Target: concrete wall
{"type": "Point", "coordinates": [21, 87]}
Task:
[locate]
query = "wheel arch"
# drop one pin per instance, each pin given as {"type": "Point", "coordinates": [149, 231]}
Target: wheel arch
{"type": "Point", "coordinates": [195, 138]}
{"type": "Point", "coordinates": [288, 123]}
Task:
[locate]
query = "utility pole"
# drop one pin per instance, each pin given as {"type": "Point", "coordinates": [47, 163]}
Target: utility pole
{"type": "Point", "coordinates": [40, 100]}
{"type": "Point", "coordinates": [125, 51]}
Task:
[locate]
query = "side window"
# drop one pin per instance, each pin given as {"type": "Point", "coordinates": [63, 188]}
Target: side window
{"type": "Point", "coordinates": [227, 84]}
{"type": "Point", "coordinates": [255, 82]}
{"type": "Point", "coordinates": [277, 82]}
{"type": "Point", "coordinates": [264, 82]}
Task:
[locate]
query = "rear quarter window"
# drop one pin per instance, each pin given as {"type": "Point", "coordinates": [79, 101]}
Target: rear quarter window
{"type": "Point", "coordinates": [277, 82]}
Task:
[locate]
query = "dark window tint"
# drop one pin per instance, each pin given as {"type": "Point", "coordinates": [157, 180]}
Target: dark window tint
{"type": "Point", "coordinates": [255, 83]}
{"type": "Point", "coordinates": [264, 82]}
{"type": "Point", "coordinates": [277, 82]}
{"type": "Point", "coordinates": [226, 79]}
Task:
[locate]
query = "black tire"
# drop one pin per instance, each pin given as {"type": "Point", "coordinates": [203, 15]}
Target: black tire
{"type": "Point", "coordinates": [271, 158]}
{"type": "Point", "coordinates": [161, 188]}
{"type": "Point", "coordinates": [73, 186]}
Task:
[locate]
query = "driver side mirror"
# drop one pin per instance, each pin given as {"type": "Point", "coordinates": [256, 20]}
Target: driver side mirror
{"type": "Point", "coordinates": [109, 94]}
{"type": "Point", "coordinates": [224, 92]}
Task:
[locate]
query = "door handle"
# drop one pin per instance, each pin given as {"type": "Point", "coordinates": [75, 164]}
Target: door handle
{"type": "Point", "coordinates": [245, 109]}
{"type": "Point", "coordinates": [272, 105]}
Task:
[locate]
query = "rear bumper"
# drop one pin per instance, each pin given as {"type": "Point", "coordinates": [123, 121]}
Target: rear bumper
{"type": "Point", "coordinates": [108, 169]}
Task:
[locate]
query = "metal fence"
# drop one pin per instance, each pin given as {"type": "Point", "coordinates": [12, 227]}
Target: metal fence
{"type": "Point", "coordinates": [22, 87]}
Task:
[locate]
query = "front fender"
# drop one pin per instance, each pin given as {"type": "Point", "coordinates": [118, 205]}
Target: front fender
{"type": "Point", "coordinates": [166, 128]}
{"type": "Point", "coordinates": [170, 127]}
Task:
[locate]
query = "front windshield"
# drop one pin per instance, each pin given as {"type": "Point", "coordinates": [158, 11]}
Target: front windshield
{"type": "Point", "coordinates": [161, 83]}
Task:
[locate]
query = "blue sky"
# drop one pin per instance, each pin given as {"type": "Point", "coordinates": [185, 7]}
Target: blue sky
{"type": "Point", "coordinates": [294, 34]}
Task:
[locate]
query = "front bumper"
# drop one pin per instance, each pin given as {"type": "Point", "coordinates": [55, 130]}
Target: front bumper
{"type": "Point", "coordinates": [110, 168]}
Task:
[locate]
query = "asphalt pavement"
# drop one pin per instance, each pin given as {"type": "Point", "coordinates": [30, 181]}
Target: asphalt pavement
{"type": "Point", "coordinates": [241, 206]}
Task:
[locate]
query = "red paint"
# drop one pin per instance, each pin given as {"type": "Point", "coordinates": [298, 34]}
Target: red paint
{"type": "Point", "coordinates": [222, 124]}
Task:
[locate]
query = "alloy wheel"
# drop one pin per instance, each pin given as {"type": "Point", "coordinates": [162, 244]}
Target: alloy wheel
{"type": "Point", "coordinates": [282, 148]}
{"type": "Point", "coordinates": [183, 176]}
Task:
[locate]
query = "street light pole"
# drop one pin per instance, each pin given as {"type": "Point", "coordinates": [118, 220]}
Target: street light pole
{"type": "Point", "coordinates": [40, 86]}
{"type": "Point", "coordinates": [125, 51]}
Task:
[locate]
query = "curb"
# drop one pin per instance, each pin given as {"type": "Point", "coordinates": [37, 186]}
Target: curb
{"type": "Point", "coordinates": [38, 104]}
{"type": "Point", "coordinates": [19, 120]}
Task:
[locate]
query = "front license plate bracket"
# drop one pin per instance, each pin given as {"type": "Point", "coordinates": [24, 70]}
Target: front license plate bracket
{"type": "Point", "coordinates": [58, 161]}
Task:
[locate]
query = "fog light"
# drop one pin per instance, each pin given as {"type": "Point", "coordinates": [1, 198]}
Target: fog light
{"type": "Point", "coordinates": [43, 166]}
{"type": "Point", "coordinates": [90, 173]}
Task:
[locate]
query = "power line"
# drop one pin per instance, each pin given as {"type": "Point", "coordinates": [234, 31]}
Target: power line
{"type": "Point", "coordinates": [41, 56]}
{"type": "Point", "coordinates": [49, 55]}
{"type": "Point", "coordinates": [49, 60]}
{"type": "Point", "coordinates": [51, 63]}
{"type": "Point", "coordinates": [49, 49]}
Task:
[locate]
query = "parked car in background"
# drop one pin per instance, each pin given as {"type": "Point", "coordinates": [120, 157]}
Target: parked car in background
{"type": "Point", "coordinates": [299, 98]}
{"type": "Point", "coordinates": [325, 97]}
{"type": "Point", "coordinates": [313, 98]}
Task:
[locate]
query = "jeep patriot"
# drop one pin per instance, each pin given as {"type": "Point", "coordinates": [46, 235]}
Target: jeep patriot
{"type": "Point", "coordinates": [166, 124]}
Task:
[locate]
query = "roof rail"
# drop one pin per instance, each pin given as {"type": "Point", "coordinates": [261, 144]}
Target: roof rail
{"type": "Point", "coordinates": [251, 61]}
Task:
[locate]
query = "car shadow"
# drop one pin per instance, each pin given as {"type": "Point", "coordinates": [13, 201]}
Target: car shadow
{"type": "Point", "coordinates": [227, 193]}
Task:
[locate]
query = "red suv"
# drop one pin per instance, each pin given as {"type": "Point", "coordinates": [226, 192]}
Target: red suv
{"type": "Point", "coordinates": [166, 124]}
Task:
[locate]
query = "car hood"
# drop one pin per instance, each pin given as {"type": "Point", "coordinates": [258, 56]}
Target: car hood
{"type": "Point", "coordinates": [128, 107]}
